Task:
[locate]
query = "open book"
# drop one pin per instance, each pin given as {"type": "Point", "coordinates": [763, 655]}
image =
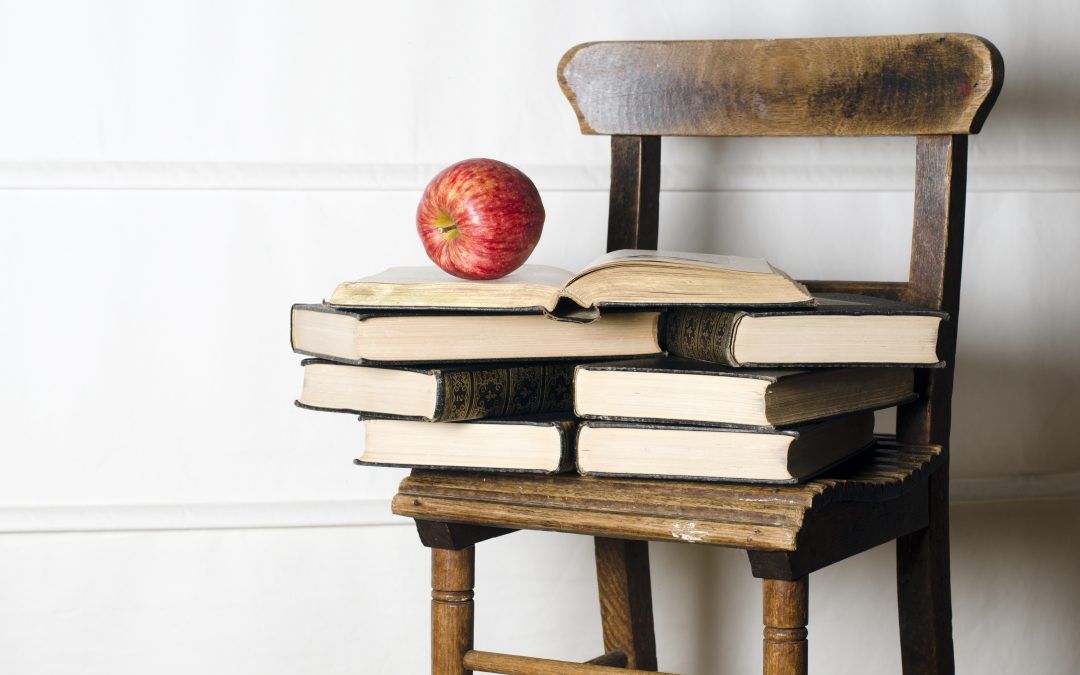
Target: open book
{"type": "Point", "coordinates": [629, 277]}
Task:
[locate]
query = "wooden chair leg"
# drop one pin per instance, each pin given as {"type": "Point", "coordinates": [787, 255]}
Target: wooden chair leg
{"type": "Point", "coordinates": [786, 604]}
{"type": "Point", "coordinates": [622, 576]}
{"type": "Point", "coordinates": [922, 584]}
{"type": "Point", "coordinates": [451, 609]}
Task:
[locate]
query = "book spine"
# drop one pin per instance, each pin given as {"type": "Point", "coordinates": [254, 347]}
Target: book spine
{"type": "Point", "coordinates": [500, 392]}
{"type": "Point", "coordinates": [702, 334]}
{"type": "Point", "coordinates": [568, 438]}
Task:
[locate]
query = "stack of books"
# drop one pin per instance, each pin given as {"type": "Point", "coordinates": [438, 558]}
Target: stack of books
{"type": "Point", "coordinates": [649, 364]}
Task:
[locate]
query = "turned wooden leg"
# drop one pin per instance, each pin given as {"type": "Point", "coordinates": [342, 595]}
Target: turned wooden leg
{"type": "Point", "coordinates": [785, 626]}
{"type": "Point", "coordinates": [622, 576]}
{"type": "Point", "coordinates": [923, 593]}
{"type": "Point", "coordinates": [451, 609]}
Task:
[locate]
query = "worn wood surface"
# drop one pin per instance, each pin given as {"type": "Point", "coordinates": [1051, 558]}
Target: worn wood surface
{"type": "Point", "coordinates": [842, 529]}
{"type": "Point", "coordinates": [867, 86]}
{"type": "Point", "coordinates": [937, 87]}
{"type": "Point", "coordinates": [891, 290]}
{"type": "Point", "coordinates": [622, 566]}
{"type": "Point", "coordinates": [786, 610]}
{"type": "Point", "coordinates": [451, 609]}
{"type": "Point", "coordinates": [442, 535]}
{"type": "Point", "coordinates": [507, 664]}
{"type": "Point", "coordinates": [922, 557]}
{"type": "Point", "coordinates": [634, 199]}
{"type": "Point", "coordinates": [764, 517]}
{"type": "Point", "coordinates": [625, 586]}
{"type": "Point", "coordinates": [616, 659]}
{"type": "Point", "coordinates": [924, 596]}
{"type": "Point", "coordinates": [937, 247]}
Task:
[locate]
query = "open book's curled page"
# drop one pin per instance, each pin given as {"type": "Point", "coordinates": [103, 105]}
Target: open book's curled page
{"type": "Point", "coordinates": [628, 278]}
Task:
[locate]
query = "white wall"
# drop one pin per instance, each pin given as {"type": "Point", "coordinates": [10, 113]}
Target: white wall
{"type": "Point", "coordinates": [174, 175]}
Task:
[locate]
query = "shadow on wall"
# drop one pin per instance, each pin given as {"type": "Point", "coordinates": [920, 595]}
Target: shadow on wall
{"type": "Point", "coordinates": [1018, 357]}
{"type": "Point", "coordinates": [1015, 592]}
{"type": "Point", "coordinates": [1016, 585]}
{"type": "Point", "coordinates": [1015, 411]}
{"type": "Point", "coordinates": [1034, 118]}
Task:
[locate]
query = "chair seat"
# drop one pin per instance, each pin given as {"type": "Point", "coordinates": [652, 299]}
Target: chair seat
{"type": "Point", "coordinates": [880, 486]}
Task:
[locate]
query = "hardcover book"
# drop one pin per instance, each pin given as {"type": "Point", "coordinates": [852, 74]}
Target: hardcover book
{"type": "Point", "coordinates": [403, 337]}
{"type": "Point", "coordinates": [720, 453]}
{"type": "Point", "coordinates": [841, 329]}
{"type": "Point", "coordinates": [438, 393]}
{"type": "Point", "coordinates": [682, 390]}
{"type": "Point", "coordinates": [628, 278]}
{"type": "Point", "coordinates": [539, 444]}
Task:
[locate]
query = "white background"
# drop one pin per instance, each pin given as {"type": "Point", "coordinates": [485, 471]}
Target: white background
{"type": "Point", "coordinates": [173, 175]}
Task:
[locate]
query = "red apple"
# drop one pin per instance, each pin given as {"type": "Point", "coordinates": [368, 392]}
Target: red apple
{"type": "Point", "coordinates": [480, 219]}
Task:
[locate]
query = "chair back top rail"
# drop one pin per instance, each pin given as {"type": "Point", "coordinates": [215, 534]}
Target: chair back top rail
{"type": "Point", "coordinates": [898, 85]}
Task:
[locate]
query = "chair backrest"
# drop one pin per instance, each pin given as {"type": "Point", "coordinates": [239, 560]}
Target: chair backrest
{"type": "Point", "coordinates": [937, 87]}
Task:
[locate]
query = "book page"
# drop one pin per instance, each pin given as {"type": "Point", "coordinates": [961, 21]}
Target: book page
{"type": "Point", "coordinates": [532, 286]}
{"type": "Point", "coordinates": [645, 278]}
{"type": "Point", "coordinates": [692, 259]}
{"type": "Point", "coordinates": [630, 256]}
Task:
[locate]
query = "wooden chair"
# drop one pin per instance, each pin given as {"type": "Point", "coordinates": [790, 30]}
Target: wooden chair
{"type": "Point", "coordinates": [938, 88]}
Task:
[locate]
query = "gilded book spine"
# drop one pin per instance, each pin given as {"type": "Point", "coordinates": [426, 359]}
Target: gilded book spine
{"type": "Point", "coordinates": [499, 392]}
{"type": "Point", "coordinates": [702, 334]}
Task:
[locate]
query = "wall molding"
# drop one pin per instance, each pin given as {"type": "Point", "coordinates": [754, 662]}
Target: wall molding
{"type": "Point", "coordinates": [1015, 488]}
{"type": "Point", "coordinates": [376, 512]}
{"type": "Point", "coordinates": [249, 176]}
{"type": "Point", "coordinates": [199, 516]}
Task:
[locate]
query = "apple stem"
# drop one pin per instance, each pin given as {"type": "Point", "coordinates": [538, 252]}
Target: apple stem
{"type": "Point", "coordinates": [445, 223]}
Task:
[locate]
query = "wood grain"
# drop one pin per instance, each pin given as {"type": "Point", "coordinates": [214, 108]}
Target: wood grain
{"type": "Point", "coordinates": [890, 290]}
{"type": "Point", "coordinates": [839, 530]}
{"type": "Point", "coordinates": [937, 248]}
{"type": "Point", "coordinates": [451, 609]}
{"type": "Point", "coordinates": [616, 659]}
{"type": "Point", "coordinates": [786, 605]}
{"type": "Point", "coordinates": [507, 664]}
{"type": "Point", "coordinates": [937, 87]}
{"type": "Point", "coordinates": [922, 557]}
{"type": "Point", "coordinates": [597, 523]}
{"type": "Point", "coordinates": [760, 517]}
{"type": "Point", "coordinates": [455, 537]}
{"type": "Point", "coordinates": [867, 86]}
{"type": "Point", "coordinates": [625, 587]}
{"type": "Point", "coordinates": [634, 200]}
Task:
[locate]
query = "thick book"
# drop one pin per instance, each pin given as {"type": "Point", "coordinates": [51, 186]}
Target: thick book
{"type": "Point", "coordinates": [842, 329]}
{"type": "Point", "coordinates": [628, 278]}
{"type": "Point", "coordinates": [439, 393]}
{"type": "Point", "coordinates": [720, 453]}
{"type": "Point", "coordinates": [539, 444]}
{"type": "Point", "coordinates": [683, 390]}
{"type": "Point", "coordinates": [403, 337]}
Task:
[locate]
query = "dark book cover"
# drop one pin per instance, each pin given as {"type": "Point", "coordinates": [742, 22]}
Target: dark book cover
{"type": "Point", "coordinates": [683, 366]}
{"type": "Point", "coordinates": [794, 432]}
{"type": "Point", "coordinates": [465, 392]}
{"type": "Point", "coordinates": [708, 335]}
